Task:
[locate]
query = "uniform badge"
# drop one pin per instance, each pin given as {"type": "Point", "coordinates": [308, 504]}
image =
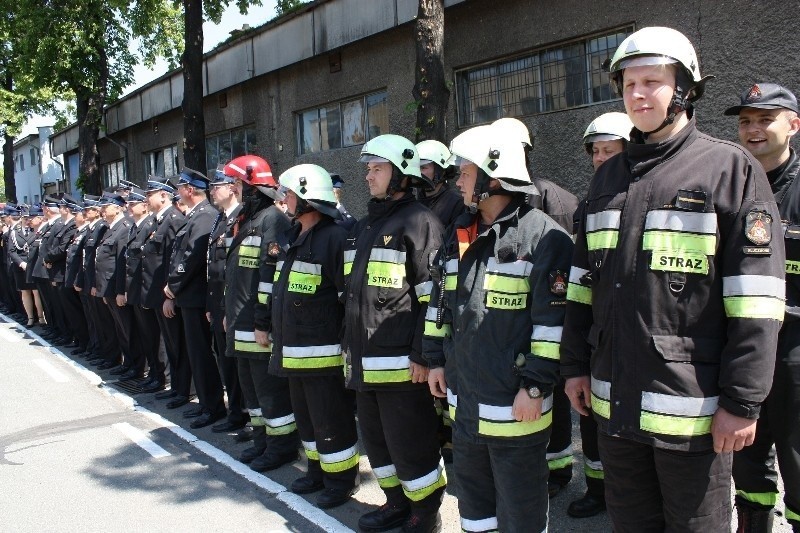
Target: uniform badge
{"type": "Point", "coordinates": [387, 239]}
{"type": "Point", "coordinates": [558, 283]}
{"type": "Point", "coordinates": [754, 94]}
{"type": "Point", "coordinates": [757, 227]}
{"type": "Point", "coordinates": [273, 249]}
{"type": "Point", "coordinates": [181, 269]}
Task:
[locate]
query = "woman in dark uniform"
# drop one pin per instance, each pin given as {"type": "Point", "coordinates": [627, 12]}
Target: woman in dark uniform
{"type": "Point", "coordinates": [22, 237]}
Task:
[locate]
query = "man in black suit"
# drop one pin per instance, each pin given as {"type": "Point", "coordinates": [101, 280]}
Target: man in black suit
{"type": "Point", "coordinates": [54, 257]}
{"type": "Point", "coordinates": [186, 289]}
{"type": "Point", "coordinates": [57, 330]}
{"type": "Point", "coordinates": [75, 305]}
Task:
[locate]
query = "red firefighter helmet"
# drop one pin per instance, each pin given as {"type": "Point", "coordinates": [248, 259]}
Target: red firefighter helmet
{"type": "Point", "coordinates": [252, 170]}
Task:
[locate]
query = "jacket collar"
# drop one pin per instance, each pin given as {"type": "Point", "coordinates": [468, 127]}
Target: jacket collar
{"type": "Point", "coordinates": [381, 208]}
{"type": "Point", "coordinates": [642, 157]}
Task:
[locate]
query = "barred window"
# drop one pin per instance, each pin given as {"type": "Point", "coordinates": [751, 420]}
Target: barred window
{"type": "Point", "coordinates": [163, 162]}
{"type": "Point", "coordinates": [549, 79]}
{"type": "Point", "coordinates": [347, 123]}
{"type": "Point", "coordinates": [223, 147]}
{"type": "Point", "coordinates": [113, 172]}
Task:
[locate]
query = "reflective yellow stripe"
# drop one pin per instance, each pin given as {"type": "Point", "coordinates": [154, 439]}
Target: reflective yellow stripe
{"type": "Point", "coordinates": [422, 487]}
{"type": "Point", "coordinates": [387, 476]}
{"type": "Point", "coordinates": [547, 350]}
{"type": "Point", "coordinates": [280, 426]}
{"type": "Point", "coordinates": [303, 283]}
{"type": "Point", "coordinates": [387, 376]}
{"type": "Point", "coordinates": [499, 300]}
{"type": "Point", "coordinates": [249, 251]}
{"type": "Point", "coordinates": [677, 243]}
{"type": "Point", "coordinates": [385, 275]}
{"type": "Point", "coordinates": [250, 347]}
{"type": "Point", "coordinates": [507, 284]}
{"type": "Point", "coordinates": [497, 421]}
{"type": "Point", "coordinates": [309, 357]}
{"type": "Point", "coordinates": [348, 267]}
{"type": "Point", "coordinates": [546, 342]}
{"type": "Point", "coordinates": [601, 240]}
{"type": "Point", "coordinates": [450, 282]}
{"type": "Point", "coordinates": [753, 307]}
{"type": "Point", "coordinates": [391, 369]}
{"type": "Point", "coordinates": [677, 415]}
{"type": "Point", "coordinates": [349, 257]}
{"type": "Point", "coordinates": [601, 397]}
{"type": "Point", "coordinates": [339, 461]}
{"type": "Point", "coordinates": [579, 294]}
{"type": "Point", "coordinates": [791, 516]}
{"type": "Point", "coordinates": [313, 362]}
{"type": "Point", "coordinates": [311, 450]}
{"type": "Point", "coordinates": [792, 267]}
{"type": "Point", "coordinates": [593, 469]}
{"type": "Point", "coordinates": [768, 499]}
{"type": "Point", "coordinates": [557, 464]}
{"type": "Point", "coordinates": [432, 331]}
{"type": "Point", "coordinates": [688, 262]}
{"type": "Point", "coordinates": [675, 425]}
{"type": "Point", "coordinates": [423, 291]}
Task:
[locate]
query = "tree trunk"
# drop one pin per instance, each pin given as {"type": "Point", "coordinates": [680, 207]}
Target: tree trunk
{"type": "Point", "coordinates": [89, 107]}
{"type": "Point", "coordinates": [430, 88]}
{"type": "Point", "coordinates": [194, 124]}
{"type": "Point", "coordinates": [8, 151]}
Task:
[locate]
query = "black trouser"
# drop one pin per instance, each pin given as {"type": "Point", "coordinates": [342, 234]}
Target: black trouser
{"type": "Point", "coordinates": [398, 429]}
{"type": "Point", "coordinates": [106, 333]}
{"type": "Point", "coordinates": [269, 403]}
{"type": "Point", "coordinates": [230, 376]}
{"type": "Point", "coordinates": [58, 310]}
{"type": "Point", "coordinates": [146, 339]}
{"type": "Point", "coordinates": [94, 339]}
{"type": "Point", "coordinates": [651, 489]}
{"type": "Point", "coordinates": [46, 297]}
{"type": "Point", "coordinates": [123, 325]}
{"type": "Point", "coordinates": [325, 421]}
{"type": "Point", "coordinates": [207, 382]}
{"type": "Point", "coordinates": [76, 319]}
{"type": "Point", "coordinates": [175, 345]}
{"type": "Point", "coordinates": [778, 427]}
{"type": "Point", "coordinates": [592, 466]}
{"type": "Point", "coordinates": [16, 298]}
{"type": "Point", "coordinates": [559, 449]}
{"type": "Point", "coordinates": [501, 488]}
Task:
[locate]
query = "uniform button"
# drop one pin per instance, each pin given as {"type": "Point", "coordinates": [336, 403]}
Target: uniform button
{"type": "Point", "coordinates": [350, 296]}
{"type": "Point", "coordinates": [458, 330]}
{"type": "Point", "coordinates": [616, 403]}
{"type": "Point", "coordinates": [368, 227]}
{"type": "Point", "coordinates": [618, 285]}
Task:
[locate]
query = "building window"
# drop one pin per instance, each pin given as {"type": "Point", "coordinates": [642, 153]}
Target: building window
{"type": "Point", "coordinates": [549, 79]}
{"type": "Point", "coordinates": [113, 172]}
{"type": "Point", "coordinates": [223, 147]}
{"type": "Point", "coordinates": [36, 198]}
{"type": "Point", "coordinates": [21, 162]}
{"type": "Point", "coordinates": [33, 156]}
{"type": "Point", "coordinates": [163, 162]}
{"type": "Point", "coordinates": [25, 199]}
{"type": "Point", "coordinates": [347, 123]}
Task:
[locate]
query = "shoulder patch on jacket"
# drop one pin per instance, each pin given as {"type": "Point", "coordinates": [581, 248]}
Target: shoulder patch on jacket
{"type": "Point", "coordinates": [558, 283]}
{"type": "Point", "coordinates": [757, 228]}
{"type": "Point", "coordinates": [273, 249]}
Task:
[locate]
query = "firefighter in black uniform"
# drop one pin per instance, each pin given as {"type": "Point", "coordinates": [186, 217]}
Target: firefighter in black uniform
{"type": "Point", "coordinates": [386, 266]}
{"type": "Point", "coordinates": [75, 304]}
{"type": "Point", "coordinates": [347, 221]}
{"type": "Point", "coordinates": [306, 322]}
{"type": "Point", "coordinates": [55, 260]}
{"type": "Point", "coordinates": [445, 202]}
{"type": "Point", "coordinates": [156, 253]}
{"type": "Point", "coordinates": [494, 322]}
{"type": "Point", "coordinates": [22, 237]}
{"type": "Point", "coordinates": [252, 244]}
{"type": "Point", "coordinates": [186, 289]}
{"type": "Point", "coordinates": [675, 300]}
{"type": "Point", "coordinates": [109, 267]}
{"type": "Point", "coordinates": [48, 293]}
{"type": "Point", "coordinates": [767, 123]}
{"type": "Point", "coordinates": [223, 194]}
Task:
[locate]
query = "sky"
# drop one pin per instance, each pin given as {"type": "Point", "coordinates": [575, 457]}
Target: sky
{"type": "Point", "coordinates": [212, 36]}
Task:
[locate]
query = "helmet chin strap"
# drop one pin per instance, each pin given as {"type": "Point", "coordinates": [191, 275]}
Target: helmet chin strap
{"type": "Point", "coordinates": [395, 184]}
{"type": "Point", "coordinates": [483, 190]}
{"type": "Point", "coordinates": [300, 209]}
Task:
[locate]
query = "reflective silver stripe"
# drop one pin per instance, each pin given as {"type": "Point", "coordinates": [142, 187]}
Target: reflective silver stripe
{"type": "Point", "coordinates": [751, 285]}
{"type": "Point", "coordinates": [451, 267]}
{"type": "Point", "coordinates": [517, 268]}
{"type": "Point", "coordinates": [575, 274]}
{"type": "Point", "coordinates": [679, 405]}
{"type": "Point", "coordinates": [566, 452]}
{"type": "Point", "coordinates": [423, 289]}
{"type": "Point", "coordinates": [477, 526]}
{"type": "Point", "coordinates": [387, 256]}
{"type": "Point", "coordinates": [245, 336]}
{"type": "Point", "coordinates": [384, 471]}
{"type": "Point", "coordinates": [252, 240]}
{"type": "Point", "coordinates": [309, 445]}
{"type": "Point", "coordinates": [279, 266]}
{"type": "Point", "coordinates": [547, 333]}
{"type": "Point", "coordinates": [307, 268]}
{"type": "Point", "coordinates": [338, 456]}
{"type": "Point", "coordinates": [265, 287]}
{"type": "Point", "coordinates": [502, 413]}
{"type": "Point", "coordinates": [601, 389]}
{"type": "Point", "coordinates": [594, 465]}
{"type": "Point", "coordinates": [228, 242]}
{"type": "Point", "coordinates": [452, 399]}
{"type": "Point", "coordinates": [603, 220]}
{"type": "Point", "coordinates": [681, 221]}
{"type": "Point", "coordinates": [312, 351]}
{"type": "Point", "coordinates": [430, 313]}
{"type": "Point", "coordinates": [349, 256]}
{"type": "Point", "coordinates": [254, 412]}
{"type": "Point", "coordinates": [425, 481]}
{"type": "Point", "coordinates": [385, 363]}
{"type": "Point", "coordinates": [280, 421]}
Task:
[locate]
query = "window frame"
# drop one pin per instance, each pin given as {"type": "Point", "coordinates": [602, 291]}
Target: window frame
{"type": "Point", "coordinates": [249, 147]}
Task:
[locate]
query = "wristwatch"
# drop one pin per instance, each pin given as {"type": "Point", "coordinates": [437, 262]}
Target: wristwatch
{"type": "Point", "coordinates": [533, 392]}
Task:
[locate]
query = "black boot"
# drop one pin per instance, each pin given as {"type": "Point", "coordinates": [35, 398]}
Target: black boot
{"type": "Point", "coordinates": [387, 516]}
{"type": "Point", "coordinates": [431, 523]}
{"type": "Point", "coordinates": [259, 445]}
{"type": "Point", "coordinates": [588, 505]}
{"type": "Point", "coordinates": [754, 520]}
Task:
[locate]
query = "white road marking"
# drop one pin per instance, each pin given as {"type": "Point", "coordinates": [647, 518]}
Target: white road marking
{"type": "Point", "coordinates": [138, 437]}
{"type": "Point", "coordinates": [9, 336]}
{"type": "Point", "coordinates": [51, 371]}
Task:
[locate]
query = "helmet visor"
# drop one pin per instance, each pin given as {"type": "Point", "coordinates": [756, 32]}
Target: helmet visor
{"type": "Point", "coordinates": [457, 160]}
{"type": "Point", "coordinates": [601, 137]}
{"type": "Point", "coordinates": [642, 61]}
{"type": "Point", "coordinates": [369, 158]}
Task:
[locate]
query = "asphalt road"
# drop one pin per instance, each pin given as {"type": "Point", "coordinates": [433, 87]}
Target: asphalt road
{"type": "Point", "coordinates": [78, 453]}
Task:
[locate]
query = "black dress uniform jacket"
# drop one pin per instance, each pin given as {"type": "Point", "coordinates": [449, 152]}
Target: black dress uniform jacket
{"type": "Point", "coordinates": [109, 264]}
{"type": "Point", "coordinates": [56, 253]}
{"type": "Point", "coordinates": [89, 253]}
{"type": "Point", "coordinates": [306, 311]}
{"type": "Point", "coordinates": [73, 265]}
{"type": "Point", "coordinates": [387, 287]}
{"type": "Point", "coordinates": [187, 276]}
{"type": "Point", "coordinates": [501, 315]}
{"type": "Point", "coordinates": [676, 290]}
{"type": "Point", "coordinates": [132, 281]}
{"type": "Point", "coordinates": [156, 253]}
{"type": "Point", "coordinates": [47, 235]}
{"type": "Point", "coordinates": [217, 255]}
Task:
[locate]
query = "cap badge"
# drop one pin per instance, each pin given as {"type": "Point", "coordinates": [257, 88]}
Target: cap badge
{"type": "Point", "coordinates": [754, 94]}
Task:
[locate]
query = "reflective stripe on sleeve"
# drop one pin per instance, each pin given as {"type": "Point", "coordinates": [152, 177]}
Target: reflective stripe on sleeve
{"type": "Point", "coordinates": [677, 415]}
{"type": "Point", "coordinates": [752, 296]}
{"type": "Point", "coordinates": [264, 291]}
{"type": "Point", "coordinates": [497, 421]}
{"type": "Point", "coordinates": [349, 257]}
{"type": "Point", "coordinates": [311, 357]}
{"type": "Point", "coordinates": [430, 325]}
{"type": "Point", "coordinates": [601, 397]}
{"type": "Point", "coordinates": [451, 276]}
{"type": "Point", "coordinates": [546, 342]}
{"type": "Point", "coordinates": [452, 404]}
{"type": "Point", "coordinates": [576, 291]}
{"type": "Point", "coordinates": [423, 291]}
{"type": "Point", "coordinates": [245, 341]}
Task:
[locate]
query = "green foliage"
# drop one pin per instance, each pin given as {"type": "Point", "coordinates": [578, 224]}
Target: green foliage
{"type": "Point", "coordinates": [80, 183]}
{"type": "Point", "coordinates": [64, 117]}
{"type": "Point", "coordinates": [2, 186]}
{"type": "Point", "coordinates": [282, 7]}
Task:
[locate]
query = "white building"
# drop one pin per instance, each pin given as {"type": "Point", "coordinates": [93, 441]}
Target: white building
{"type": "Point", "coordinates": [36, 173]}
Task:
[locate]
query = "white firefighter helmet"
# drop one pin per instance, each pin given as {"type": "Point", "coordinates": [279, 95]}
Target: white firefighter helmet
{"type": "Point", "coordinates": [313, 184]}
{"type": "Point", "coordinates": [431, 151]}
{"type": "Point", "coordinates": [499, 154]}
{"type": "Point", "coordinates": [514, 128]}
{"type": "Point", "coordinates": [393, 149]}
{"type": "Point", "coordinates": [608, 127]}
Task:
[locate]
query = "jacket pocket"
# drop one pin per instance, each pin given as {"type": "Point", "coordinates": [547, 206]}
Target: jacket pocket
{"type": "Point", "coordinates": [688, 349]}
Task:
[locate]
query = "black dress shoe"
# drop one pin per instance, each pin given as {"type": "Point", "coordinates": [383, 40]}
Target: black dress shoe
{"type": "Point", "coordinates": [384, 518]}
{"type": "Point", "coordinates": [228, 426]}
{"type": "Point", "coordinates": [330, 498]}
{"type": "Point", "coordinates": [271, 461]}
{"type": "Point", "coordinates": [118, 371]}
{"type": "Point", "coordinates": [178, 401]}
{"type": "Point", "coordinates": [108, 365]}
{"type": "Point", "coordinates": [63, 341]}
{"type": "Point", "coordinates": [206, 419]}
{"type": "Point", "coordinates": [244, 435]}
{"type": "Point", "coordinates": [423, 524]}
{"type": "Point", "coordinates": [72, 344]}
{"type": "Point", "coordinates": [152, 387]}
{"type": "Point", "coordinates": [587, 506]}
{"type": "Point", "coordinates": [165, 395]}
{"type": "Point", "coordinates": [306, 485]}
{"type": "Point", "coordinates": [194, 412]}
{"type": "Point", "coordinates": [131, 374]}
{"type": "Point", "coordinates": [78, 351]}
